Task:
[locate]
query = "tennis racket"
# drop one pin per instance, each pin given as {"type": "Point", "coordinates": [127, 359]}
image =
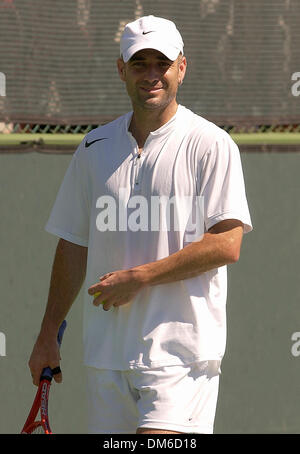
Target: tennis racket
{"type": "Point", "coordinates": [42, 426]}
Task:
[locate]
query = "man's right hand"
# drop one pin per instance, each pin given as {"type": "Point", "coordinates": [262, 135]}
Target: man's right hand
{"type": "Point", "coordinates": [45, 353]}
{"type": "Point", "coordinates": [67, 277]}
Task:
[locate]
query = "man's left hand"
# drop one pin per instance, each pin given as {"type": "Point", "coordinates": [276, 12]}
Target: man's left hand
{"type": "Point", "coordinates": [117, 288]}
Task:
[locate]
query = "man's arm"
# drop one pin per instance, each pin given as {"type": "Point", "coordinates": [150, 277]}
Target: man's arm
{"type": "Point", "coordinates": [68, 273]}
{"type": "Point", "coordinates": [218, 247]}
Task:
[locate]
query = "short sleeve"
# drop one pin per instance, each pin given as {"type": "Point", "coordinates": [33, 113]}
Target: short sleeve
{"type": "Point", "coordinates": [222, 184]}
{"type": "Point", "coordinates": [70, 215]}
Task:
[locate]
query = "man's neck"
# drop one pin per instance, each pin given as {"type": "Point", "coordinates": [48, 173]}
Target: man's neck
{"type": "Point", "coordinates": [145, 121]}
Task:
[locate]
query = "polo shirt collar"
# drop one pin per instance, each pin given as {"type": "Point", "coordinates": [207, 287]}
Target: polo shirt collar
{"type": "Point", "coordinates": [160, 132]}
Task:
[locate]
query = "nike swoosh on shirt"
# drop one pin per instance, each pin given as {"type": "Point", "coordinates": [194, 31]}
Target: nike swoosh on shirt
{"type": "Point", "coordinates": [146, 33]}
{"type": "Point", "coordinates": [87, 144]}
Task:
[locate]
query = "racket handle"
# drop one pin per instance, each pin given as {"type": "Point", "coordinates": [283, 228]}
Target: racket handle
{"type": "Point", "coordinates": [47, 372]}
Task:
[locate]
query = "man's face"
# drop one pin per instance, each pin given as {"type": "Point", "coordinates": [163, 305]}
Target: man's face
{"type": "Point", "coordinates": [152, 79]}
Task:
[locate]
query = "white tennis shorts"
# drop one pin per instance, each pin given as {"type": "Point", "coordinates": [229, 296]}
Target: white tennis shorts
{"type": "Point", "coordinates": [176, 398]}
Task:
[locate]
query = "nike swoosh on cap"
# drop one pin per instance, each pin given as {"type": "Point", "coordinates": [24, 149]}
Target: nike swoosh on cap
{"type": "Point", "coordinates": [87, 144]}
{"type": "Point", "coordinates": [146, 33]}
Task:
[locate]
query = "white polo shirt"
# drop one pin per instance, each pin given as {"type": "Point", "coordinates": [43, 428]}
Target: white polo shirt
{"type": "Point", "coordinates": [103, 204]}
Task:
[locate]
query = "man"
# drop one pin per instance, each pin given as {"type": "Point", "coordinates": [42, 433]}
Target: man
{"type": "Point", "coordinates": [154, 315]}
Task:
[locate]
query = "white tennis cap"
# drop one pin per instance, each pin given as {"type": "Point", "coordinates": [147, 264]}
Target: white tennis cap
{"type": "Point", "coordinates": [150, 32]}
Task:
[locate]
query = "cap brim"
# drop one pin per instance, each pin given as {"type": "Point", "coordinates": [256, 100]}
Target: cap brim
{"type": "Point", "coordinates": [170, 53]}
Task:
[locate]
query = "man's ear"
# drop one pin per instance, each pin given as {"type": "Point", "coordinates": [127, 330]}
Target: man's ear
{"type": "Point", "coordinates": [182, 69]}
{"type": "Point", "coordinates": [121, 69]}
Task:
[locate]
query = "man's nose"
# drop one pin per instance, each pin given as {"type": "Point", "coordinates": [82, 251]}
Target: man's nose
{"type": "Point", "coordinates": [151, 74]}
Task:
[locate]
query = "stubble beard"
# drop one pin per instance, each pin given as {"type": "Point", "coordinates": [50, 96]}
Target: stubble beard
{"type": "Point", "coordinates": [146, 103]}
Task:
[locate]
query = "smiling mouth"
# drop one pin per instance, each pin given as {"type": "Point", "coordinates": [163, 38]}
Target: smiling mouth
{"type": "Point", "coordinates": [151, 89]}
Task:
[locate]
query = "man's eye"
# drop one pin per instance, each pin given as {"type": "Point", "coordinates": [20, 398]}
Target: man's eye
{"type": "Point", "coordinates": [140, 64]}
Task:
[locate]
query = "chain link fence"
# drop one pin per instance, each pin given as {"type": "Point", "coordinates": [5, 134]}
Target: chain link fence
{"type": "Point", "coordinates": [58, 75]}
{"type": "Point", "coordinates": [49, 138]}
